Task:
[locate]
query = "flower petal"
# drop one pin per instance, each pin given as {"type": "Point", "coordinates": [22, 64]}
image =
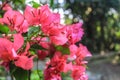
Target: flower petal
{"type": "Point", "coordinates": [18, 41]}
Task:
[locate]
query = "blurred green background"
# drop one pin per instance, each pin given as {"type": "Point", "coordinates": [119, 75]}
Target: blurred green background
{"type": "Point", "coordinates": [101, 23]}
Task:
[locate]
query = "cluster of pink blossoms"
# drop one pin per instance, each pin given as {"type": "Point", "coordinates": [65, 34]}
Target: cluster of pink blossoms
{"type": "Point", "coordinates": [53, 37]}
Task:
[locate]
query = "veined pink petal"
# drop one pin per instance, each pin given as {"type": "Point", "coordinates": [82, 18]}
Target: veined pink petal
{"type": "Point", "coordinates": [78, 73]}
{"type": "Point", "coordinates": [58, 40]}
{"type": "Point", "coordinates": [24, 62]}
{"type": "Point", "coordinates": [52, 18]}
{"type": "Point", "coordinates": [74, 32]}
{"type": "Point", "coordinates": [23, 27]}
{"type": "Point", "coordinates": [68, 67]}
{"type": "Point", "coordinates": [13, 19]}
{"type": "Point", "coordinates": [6, 50]}
{"type": "Point", "coordinates": [57, 35]}
{"type": "Point", "coordinates": [73, 51]}
{"type": "Point", "coordinates": [44, 13]}
{"type": "Point", "coordinates": [18, 41]}
{"type": "Point", "coordinates": [83, 51]}
{"type": "Point", "coordinates": [32, 15]}
{"type": "Point", "coordinates": [16, 17]}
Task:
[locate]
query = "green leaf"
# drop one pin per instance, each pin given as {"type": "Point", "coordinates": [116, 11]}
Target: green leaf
{"type": "Point", "coordinates": [18, 73]}
{"type": "Point", "coordinates": [21, 74]}
{"type": "Point", "coordinates": [4, 29]}
{"type": "Point", "coordinates": [66, 76]}
{"type": "Point", "coordinates": [51, 3]}
{"type": "Point", "coordinates": [33, 31]}
{"type": "Point", "coordinates": [63, 49]}
{"type": "Point", "coordinates": [37, 75]}
{"type": "Point", "coordinates": [32, 52]}
{"type": "Point", "coordinates": [37, 47]}
{"type": "Point", "coordinates": [35, 4]}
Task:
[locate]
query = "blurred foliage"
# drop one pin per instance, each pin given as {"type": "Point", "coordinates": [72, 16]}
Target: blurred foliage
{"type": "Point", "coordinates": [16, 4]}
{"type": "Point", "coordinates": [2, 73]}
{"type": "Point", "coordinates": [101, 22]}
{"type": "Point", "coordinates": [37, 75]}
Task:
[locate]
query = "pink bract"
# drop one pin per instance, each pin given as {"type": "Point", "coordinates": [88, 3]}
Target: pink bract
{"type": "Point", "coordinates": [32, 15]}
{"type": "Point", "coordinates": [24, 62]}
{"type": "Point", "coordinates": [13, 20]}
{"type": "Point", "coordinates": [55, 67]}
{"type": "Point", "coordinates": [75, 32]}
{"type": "Point", "coordinates": [80, 51]}
{"type": "Point", "coordinates": [6, 47]}
{"type": "Point", "coordinates": [18, 41]}
{"type": "Point", "coordinates": [78, 73]}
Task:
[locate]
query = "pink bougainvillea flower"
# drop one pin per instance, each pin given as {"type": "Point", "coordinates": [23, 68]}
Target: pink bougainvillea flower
{"type": "Point", "coordinates": [58, 61]}
{"type": "Point", "coordinates": [81, 54]}
{"type": "Point", "coordinates": [58, 40]}
{"type": "Point", "coordinates": [83, 51]}
{"type": "Point", "coordinates": [23, 27]}
{"type": "Point", "coordinates": [52, 34]}
{"type": "Point", "coordinates": [24, 62]}
{"type": "Point", "coordinates": [55, 66]}
{"type": "Point", "coordinates": [24, 59]}
{"type": "Point", "coordinates": [45, 15]}
{"type": "Point", "coordinates": [75, 32]}
{"type": "Point", "coordinates": [41, 15]}
{"type": "Point", "coordinates": [50, 22]}
{"type": "Point", "coordinates": [13, 19]}
{"type": "Point", "coordinates": [73, 51]}
{"type": "Point", "coordinates": [53, 18]}
{"type": "Point", "coordinates": [32, 15]}
{"type": "Point", "coordinates": [36, 16]}
{"type": "Point", "coordinates": [6, 47]}
{"type": "Point", "coordinates": [68, 67]}
{"type": "Point", "coordinates": [8, 51]}
{"type": "Point", "coordinates": [49, 75]}
{"type": "Point", "coordinates": [78, 73]}
{"type": "Point", "coordinates": [58, 35]}
{"type": "Point", "coordinates": [80, 51]}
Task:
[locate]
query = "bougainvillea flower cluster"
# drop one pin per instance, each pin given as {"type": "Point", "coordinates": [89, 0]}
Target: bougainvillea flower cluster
{"type": "Point", "coordinates": [56, 42]}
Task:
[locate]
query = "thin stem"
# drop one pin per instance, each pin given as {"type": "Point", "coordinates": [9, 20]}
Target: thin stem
{"type": "Point", "coordinates": [38, 71]}
{"type": "Point", "coordinates": [29, 74]}
{"type": "Point", "coordinates": [11, 77]}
